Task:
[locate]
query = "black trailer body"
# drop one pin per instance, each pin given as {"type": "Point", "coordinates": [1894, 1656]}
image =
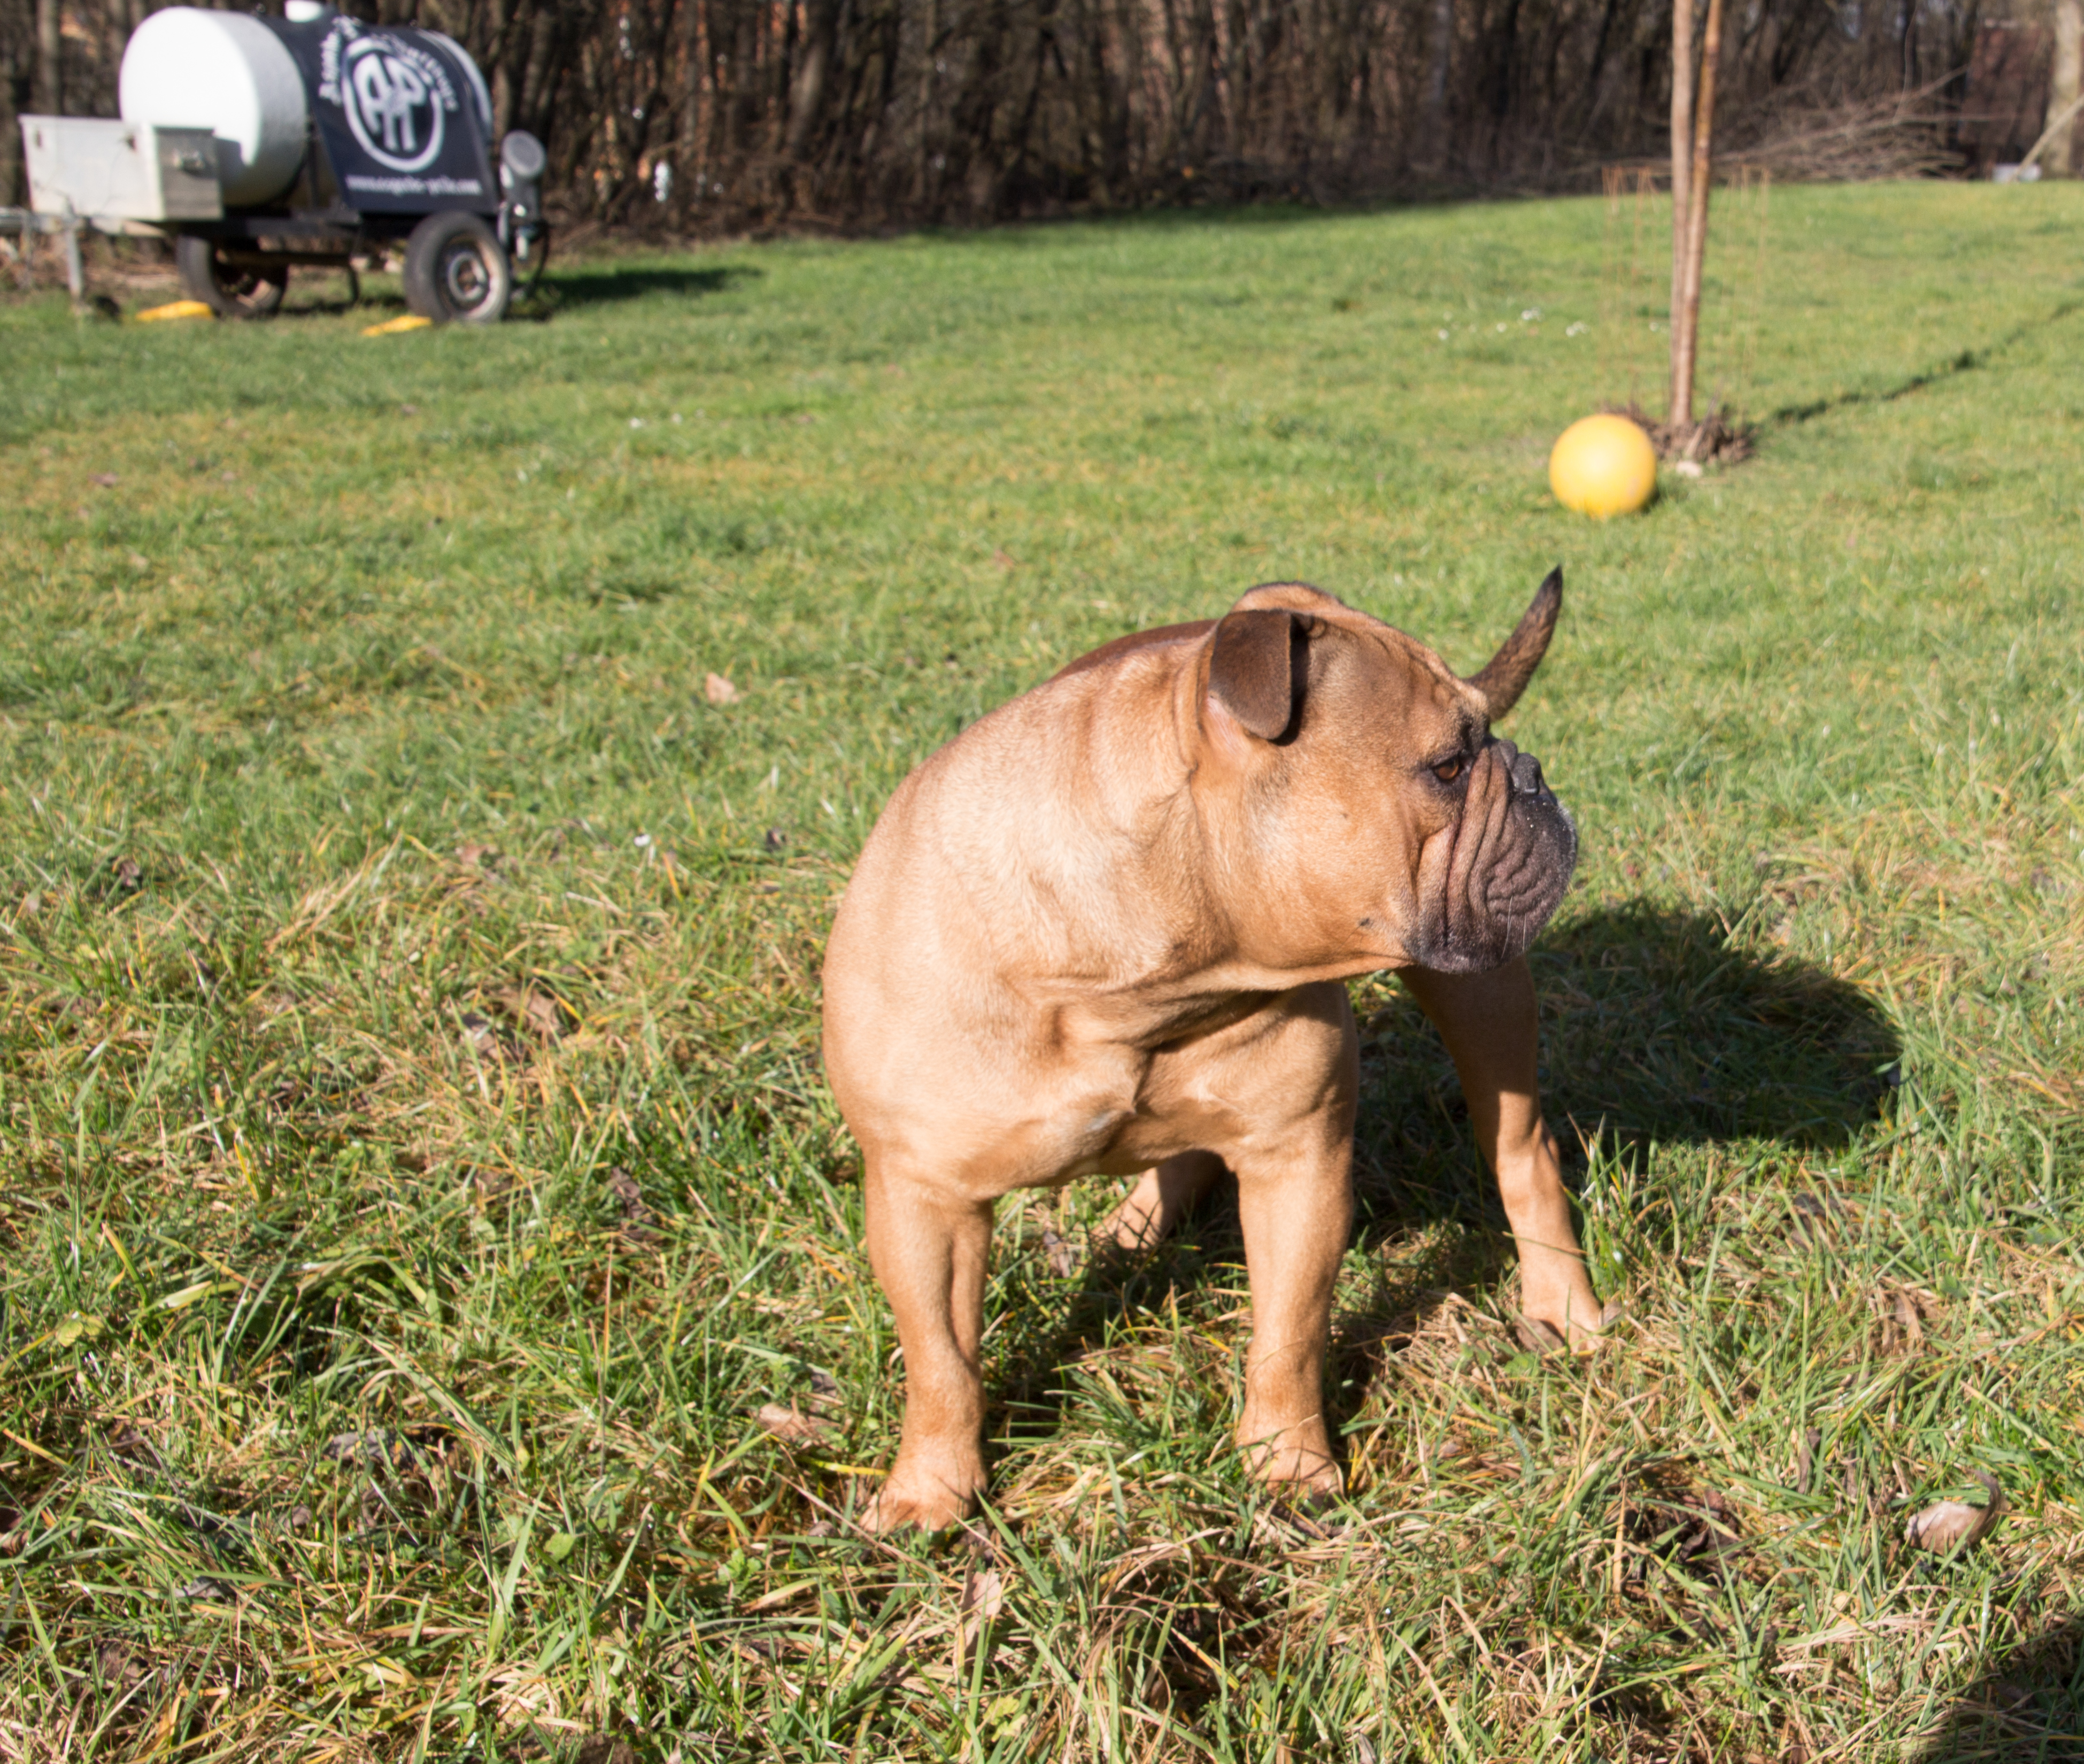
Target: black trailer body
{"type": "Point", "coordinates": [401, 116]}
{"type": "Point", "coordinates": [399, 147]}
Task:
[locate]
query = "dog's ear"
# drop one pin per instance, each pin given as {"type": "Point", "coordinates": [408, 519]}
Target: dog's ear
{"type": "Point", "coordinates": [1257, 665]}
{"type": "Point", "coordinates": [1506, 675]}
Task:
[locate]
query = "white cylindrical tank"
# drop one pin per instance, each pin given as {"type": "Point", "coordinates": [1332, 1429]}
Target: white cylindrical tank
{"type": "Point", "coordinates": [228, 73]}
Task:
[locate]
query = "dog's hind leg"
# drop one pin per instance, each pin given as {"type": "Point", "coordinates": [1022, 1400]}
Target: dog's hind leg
{"type": "Point", "coordinates": [1159, 1200]}
{"type": "Point", "coordinates": [931, 1254]}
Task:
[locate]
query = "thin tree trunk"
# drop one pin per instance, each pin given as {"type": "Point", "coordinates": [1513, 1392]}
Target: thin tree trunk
{"type": "Point", "coordinates": [1682, 170]}
{"type": "Point", "coordinates": [1440, 61]}
{"type": "Point", "coordinates": [499, 43]}
{"type": "Point", "coordinates": [11, 193]}
{"type": "Point", "coordinates": [1686, 330]}
{"type": "Point", "coordinates": [1875, 34]}
{"type": "Point", "coordinates": [694, 154]}
{"type": "Point", "coordinates": [806, 89]}
{"type": "Point", "coordinates": [930, 39]}
{"type": "Point", "coordinates": [2065, 78]}
{"type": "Point", "coordinates": [50, 90]}
{"type": "Point", "coordinates": [1598, 62]}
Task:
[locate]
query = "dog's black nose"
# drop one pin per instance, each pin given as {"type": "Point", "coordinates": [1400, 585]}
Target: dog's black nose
{"type": "Point", "coordinates": [1522, 769]}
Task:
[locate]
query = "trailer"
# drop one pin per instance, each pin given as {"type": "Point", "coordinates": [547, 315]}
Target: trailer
{"type": "Point", "coordinates": [260, 144]}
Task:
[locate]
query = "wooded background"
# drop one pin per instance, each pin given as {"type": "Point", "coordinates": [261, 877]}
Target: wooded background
{"type": "Point", "coordinates": [856, 113]}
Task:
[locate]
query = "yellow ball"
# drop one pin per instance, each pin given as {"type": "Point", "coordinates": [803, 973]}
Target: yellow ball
{"type": "Point", "coordinates": [1602, 466]}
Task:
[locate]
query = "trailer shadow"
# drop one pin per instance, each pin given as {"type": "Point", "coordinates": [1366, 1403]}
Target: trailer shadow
{"type": "Point", "coordinates": [605, 284]}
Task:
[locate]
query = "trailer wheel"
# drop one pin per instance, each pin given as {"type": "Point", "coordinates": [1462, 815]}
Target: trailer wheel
{"type": "Point", "coordinates": [229, 291]}
{"type": "Point", "coordinates": [455, 268]}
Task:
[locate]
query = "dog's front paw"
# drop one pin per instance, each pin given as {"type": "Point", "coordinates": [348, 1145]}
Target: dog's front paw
{"type": "Point", "coordinates": [1557, 1307]}
{"type": "Point", "coordinates": [924, 1495]}
{"type": "Point", "coordinates": [1566, 1328]}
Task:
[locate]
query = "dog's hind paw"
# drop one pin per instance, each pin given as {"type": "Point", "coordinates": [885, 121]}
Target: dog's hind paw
{"type": "Point", "coordinates": [1538, 1337]}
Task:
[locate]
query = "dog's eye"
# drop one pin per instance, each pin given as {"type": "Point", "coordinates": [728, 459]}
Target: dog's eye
{"type": "Point", "coordinates": [1448, 771]}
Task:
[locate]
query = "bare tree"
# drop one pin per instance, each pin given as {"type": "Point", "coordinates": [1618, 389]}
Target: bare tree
{"type": "Point", "coordinates": [2065, 74]}
{"type": "Point", "coordinates": [15, 97]}
{"type": "Point", "coordinates": [1692, 253]}
{"type": "Point", "coordinates": [50, 87]}
{"type": "Point", "coordinates": [857, 112]}
{"type": "Point", "coordinates": [1682, 169]}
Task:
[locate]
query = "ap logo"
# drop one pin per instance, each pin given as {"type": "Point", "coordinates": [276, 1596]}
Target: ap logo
{"type": "Point", "coordinates": [395, 94]}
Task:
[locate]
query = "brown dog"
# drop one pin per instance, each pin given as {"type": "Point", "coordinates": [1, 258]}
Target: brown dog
{"type": "Point", "coordinates": [1103, 931]}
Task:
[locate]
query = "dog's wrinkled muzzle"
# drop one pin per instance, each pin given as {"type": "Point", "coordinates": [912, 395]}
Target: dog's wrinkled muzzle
{"type": "Point", "coordinates": [1512, 855]}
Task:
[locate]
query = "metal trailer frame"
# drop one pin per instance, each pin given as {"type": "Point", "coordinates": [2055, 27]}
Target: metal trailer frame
{"type": "Point", "coordinates": [25, 224]}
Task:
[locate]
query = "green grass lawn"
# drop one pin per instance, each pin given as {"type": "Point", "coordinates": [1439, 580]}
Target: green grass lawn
{"type": "Point", "coordinates": [417, 1172]}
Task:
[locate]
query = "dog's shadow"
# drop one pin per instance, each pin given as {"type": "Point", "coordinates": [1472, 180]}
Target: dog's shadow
{"type": "Point", "coordinates": [1657, 1029]}
{"type": "Point", "coordinates": [2027, 1704]}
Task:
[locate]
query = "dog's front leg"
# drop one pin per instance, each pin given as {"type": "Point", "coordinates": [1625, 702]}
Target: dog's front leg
{"type": "Point", "coordinates": [931, 1255]}
{"type": "Point", "coordinates": [1488, 1021]}
{"type": "Point", "coordinates": [1296, 1211]}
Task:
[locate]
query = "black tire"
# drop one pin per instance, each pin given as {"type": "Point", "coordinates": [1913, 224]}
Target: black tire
{"type": "Point", "coordinates": [229, 291]}
{"type": "Point", "coordinates": [455, 269]}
